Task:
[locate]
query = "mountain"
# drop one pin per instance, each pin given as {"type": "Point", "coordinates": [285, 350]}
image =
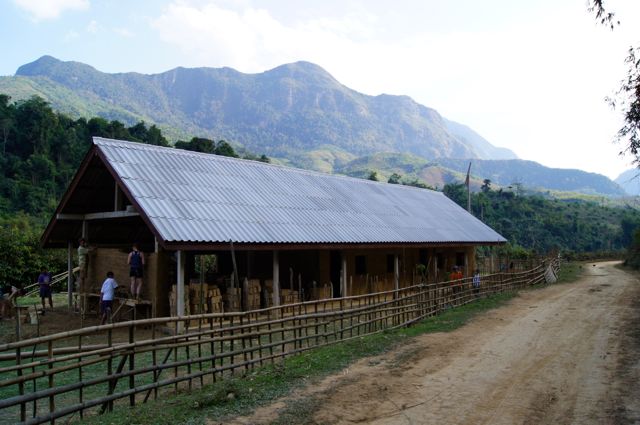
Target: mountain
{"type": "Point", "coordinates": [481, 145]}
{"type": "Point", "coordinates": [630, 181]}
{"type": "Point", "coordinates": [503, 173]}
{"type": "Point", "coordinates": [291, 109]}
{"type": "Point", "coordinates": [298, 114]}
{"type": "Point", "coordinates": [532, 175]}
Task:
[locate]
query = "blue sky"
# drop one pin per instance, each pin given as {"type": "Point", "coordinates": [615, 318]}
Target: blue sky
{"type": "Point", "coordinates": [528, 75]}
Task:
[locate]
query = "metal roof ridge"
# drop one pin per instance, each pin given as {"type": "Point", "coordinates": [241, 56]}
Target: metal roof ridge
{"type": "Point", "coordinates": [177, 151]}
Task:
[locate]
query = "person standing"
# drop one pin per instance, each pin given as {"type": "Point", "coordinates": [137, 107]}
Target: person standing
{"type": "Point", "coordinates": [476, 283]}
{"type": "Point", "coordinates": [136, 266]}
{"type": "Point", "coordinates": [107, 293]}
{"type": "Point", "coordinates": [83, 253]}
{"type": "Point", "coordinates": [44, 281]}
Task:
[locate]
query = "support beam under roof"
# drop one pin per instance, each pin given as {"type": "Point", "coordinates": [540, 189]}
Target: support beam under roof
{"type": "Point", "coordinates": [97, 216]}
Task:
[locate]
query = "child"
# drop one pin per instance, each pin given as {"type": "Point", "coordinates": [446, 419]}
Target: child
{"type": "Point", "coordinates": [106, 296]}
{"type": "Point", "coordinates": [476, 283]}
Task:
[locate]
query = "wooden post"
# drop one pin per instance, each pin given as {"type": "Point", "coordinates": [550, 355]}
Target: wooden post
{"type": "Point", "coordinates": [276, 278]}
{"type": "Point", "coordinates": [343, 287]}
{"type": "Point", "coordinates": [180, 288]}
{"type": "Point", "coordinates": [117, 198]}
{"type": "Point", "coordinates": [132, 365]}
{"type": "Point", "coordinates": [69, 276]}
{"type": "Point", "coordinates": [396, 272]}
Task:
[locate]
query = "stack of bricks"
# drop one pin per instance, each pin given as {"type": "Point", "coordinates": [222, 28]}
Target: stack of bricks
{"type": "Point", "coordinates": [289, 296]}
{"type": "Point", "coordinates": [198, 298]}
{"type": "Point", "coordinates": [268, 293]}
{"type": "Point", "coordinates": [214, 300]}
{"type": "Point", "coordinates": [232, 299]}
{"type": "Point", "coordinates": [173, 301]}
{"type": "Point", "coordinates": [321, 293]}
{"type": "Point", "coordinates": [253, 294]}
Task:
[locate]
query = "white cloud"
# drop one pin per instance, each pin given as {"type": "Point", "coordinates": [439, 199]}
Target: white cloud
{"type": "Point", "coordinates": [71, 35]}
{"type": "Point", "coordinates": [534, 84]}
{"type": "Point", "coordinates": [41, 10]}
{"type": "Point", "coordinates": [92, 27]}
{"type": "Point", "coordinates": [251, 39]}
{"type": "Point", "coordinates": [123, 32]}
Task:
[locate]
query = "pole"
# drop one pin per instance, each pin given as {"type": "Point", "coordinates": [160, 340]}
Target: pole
{"type": "Point", "coordinates": [276, 279]}
{"type": "Point", "coordinates": [468, 184]}
{"type": "Point", "coordinates": [69, 276]}
{"type": "Point", "coordinates": [343, 287]}
{"type": "Point", "coordinates": [180, 288]}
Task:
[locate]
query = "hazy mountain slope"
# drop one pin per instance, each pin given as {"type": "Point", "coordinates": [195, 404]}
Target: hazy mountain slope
{"type": "Point", "coordinates": [290, 109]}
{"type": "Point", "coordinates": [533, 175]}
{"type": "Point", "coordinates": [297, 113]}
{"type": "Point", "coordinates": [441, 171]}
{"type": "Point", "coordinates": [481, 145]}
{"type": "Point", "coordinates": [630, 181]}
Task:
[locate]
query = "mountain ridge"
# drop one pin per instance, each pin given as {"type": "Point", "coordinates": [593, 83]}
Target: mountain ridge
{"type": "Point", "coordinates": [297, 113]}
{"type": "Point", "coordinates": [297, 106]}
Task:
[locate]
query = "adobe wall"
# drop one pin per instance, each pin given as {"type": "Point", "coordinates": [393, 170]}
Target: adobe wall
{"type": "Point", "coordinates": [103, 260]}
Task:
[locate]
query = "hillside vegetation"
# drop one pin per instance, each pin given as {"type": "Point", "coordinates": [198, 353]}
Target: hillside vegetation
{"type": "Point", "coordinates": [292, 108]}
{"type": "Point", "coordinates": [42, 149]}
{"type": "Point", "coordinates": [533, 223]}
{"type": "Point", "coordinates": [296, 113]}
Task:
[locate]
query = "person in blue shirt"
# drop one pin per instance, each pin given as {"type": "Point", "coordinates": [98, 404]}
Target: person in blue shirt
{"type": "Point", "coordinates": [44, 280]}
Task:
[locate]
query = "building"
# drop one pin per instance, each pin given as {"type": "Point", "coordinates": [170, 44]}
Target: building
{"type": "Point", "coordinates": [290, 230]}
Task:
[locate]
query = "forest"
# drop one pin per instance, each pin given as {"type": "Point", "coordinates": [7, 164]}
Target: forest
{"type": "Point", "coordinates": [41, 150]}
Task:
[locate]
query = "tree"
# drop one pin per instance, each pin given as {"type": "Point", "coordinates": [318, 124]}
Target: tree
{"type": "Point", "coordinates": [627, 97]}
{"type": "Point", "coordinates": [457, 192]}
{"type": "Point", "coordinates": [225, 149]}
{"type": "Point", "coordinates": [486, 186]}
{"type": "Point", "coordinates": [197, 144]}
{"type": "Point", "coordinates": [373, 176]}
{"type": "Point", "coordinates": [394, 178]}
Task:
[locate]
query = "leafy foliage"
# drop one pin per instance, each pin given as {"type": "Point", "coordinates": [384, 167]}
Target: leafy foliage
{"type": "Point", "coordinates": [41, 151]}
{"type": "Point", "coordinates": [628, 95]}
{"type": "Point", "coordinates": [21, 257]}
{"type": "Point", "coordinates": [628, 98]}
{"type": "Point", "coordinates": [542, 225]}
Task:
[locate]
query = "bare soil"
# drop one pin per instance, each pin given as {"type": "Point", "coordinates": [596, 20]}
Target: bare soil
{"type": "Point", "coordinates": [565, 354]}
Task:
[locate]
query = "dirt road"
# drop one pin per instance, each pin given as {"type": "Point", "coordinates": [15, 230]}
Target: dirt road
{"type": "Point", "coordinates": [566, 354]}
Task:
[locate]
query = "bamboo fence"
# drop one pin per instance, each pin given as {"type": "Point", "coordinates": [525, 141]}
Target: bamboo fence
{"type": "Point", "coordinates": [60, 375]}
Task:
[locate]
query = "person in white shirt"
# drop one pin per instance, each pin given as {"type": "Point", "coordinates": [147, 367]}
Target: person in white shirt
{"type": "Point", "coordinates": [106, 296]}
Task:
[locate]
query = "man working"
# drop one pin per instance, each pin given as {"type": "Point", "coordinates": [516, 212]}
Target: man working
{"type": "Point", "coordinates": [136, 266]}
{"type": "Point", "coordinates": [106, 297]}
{"type": "Point", "coordinates": [83, 252]}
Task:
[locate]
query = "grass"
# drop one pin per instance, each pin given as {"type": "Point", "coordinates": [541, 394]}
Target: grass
{"type": "Point", "coordinates": [241, 395]}
{"type": "Point", "coordinates": [571, 272]}
{"type": "Point", "coordinates": [59, 299]}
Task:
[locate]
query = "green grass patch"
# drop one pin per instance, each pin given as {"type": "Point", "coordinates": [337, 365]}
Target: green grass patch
{"type": "Point", "coordinates": [571, 271]}
{"type": "Point", "coordinates": [59, 299]}
{"type": "Point", "coordinates": [241, 395]}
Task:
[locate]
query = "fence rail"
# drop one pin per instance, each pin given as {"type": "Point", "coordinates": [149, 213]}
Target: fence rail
{"type": "Point", "coordinates": [90, 370]}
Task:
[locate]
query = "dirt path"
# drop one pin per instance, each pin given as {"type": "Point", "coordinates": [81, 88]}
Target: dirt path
{"type": "Point", "coordinates": [567, 354]}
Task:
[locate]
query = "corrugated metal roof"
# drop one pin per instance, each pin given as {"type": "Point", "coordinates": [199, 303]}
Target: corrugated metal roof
{"type": "Point", "coordinates": [196, 197]}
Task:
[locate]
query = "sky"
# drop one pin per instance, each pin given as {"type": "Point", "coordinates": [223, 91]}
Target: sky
{"type": "Point", "coordinates": [528, 75]}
